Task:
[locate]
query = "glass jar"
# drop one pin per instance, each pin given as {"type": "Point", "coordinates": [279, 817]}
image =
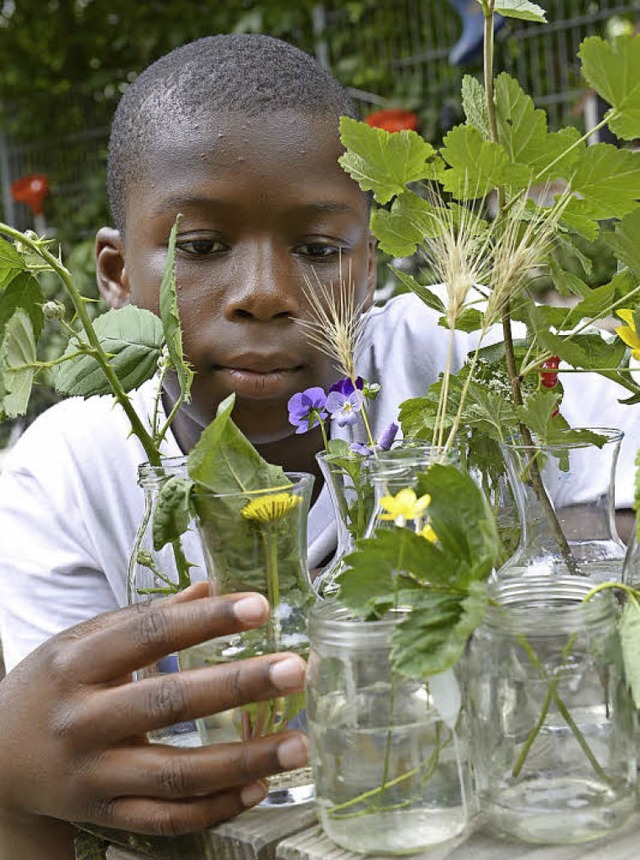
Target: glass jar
{"type": "Point", "coordinates": [391, 773]}
{"type": "Point", "coordinates": [257, 541]}
{"type": "Point", "coordinates": [564, 495]}
{"type": "Point", "coordinates": [551, 717]}
{"type": "Point", "coordinates": [154, 573]}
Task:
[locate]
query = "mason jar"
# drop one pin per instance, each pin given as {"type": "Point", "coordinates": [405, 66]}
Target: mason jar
{"type": "Point", "coordinates": [390, 766]}
{"type": "Point", "coordinates": [551, 716]}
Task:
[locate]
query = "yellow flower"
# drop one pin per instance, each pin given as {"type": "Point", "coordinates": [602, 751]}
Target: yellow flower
{"type": "Point", "coordinates": [627, 332]}
{"type": "Point", "coordinates": [269, 509]}
{"type": "Point", "coordinates": [405, 505]}
{"type": "Point", "coordinates": [428, 533]}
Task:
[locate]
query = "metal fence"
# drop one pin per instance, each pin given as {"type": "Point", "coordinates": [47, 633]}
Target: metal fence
{"type": "Point", "coordinates": [408, 65]}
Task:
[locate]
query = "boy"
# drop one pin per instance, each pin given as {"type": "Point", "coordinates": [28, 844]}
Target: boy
{"type": "Point", "coordinates": [239, 134]}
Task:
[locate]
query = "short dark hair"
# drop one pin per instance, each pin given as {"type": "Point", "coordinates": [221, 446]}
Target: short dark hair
{"type": "Point", "coordinates": [244, 73]}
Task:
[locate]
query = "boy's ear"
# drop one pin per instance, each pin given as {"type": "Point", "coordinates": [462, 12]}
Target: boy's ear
{"type": "Point", "coordinates": [111, 272]}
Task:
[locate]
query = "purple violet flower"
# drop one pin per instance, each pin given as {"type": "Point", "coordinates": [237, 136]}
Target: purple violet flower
{"type": "Point", "coordinates": [360, 448]}
{"type": "Point", "coordinates": [387, 437]}
{"type": "Point", "coordinates": [307, 409]}
{"type": "Point", "coordinates": [344, 407]}
{"type": "Point", "coordinates": [345, 386]}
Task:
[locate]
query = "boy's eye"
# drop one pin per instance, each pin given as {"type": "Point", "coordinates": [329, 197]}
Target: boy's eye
{"type": "Point", "coordinates": [200, 247]}
{"type": "Point", "coordinates": [319, 250]}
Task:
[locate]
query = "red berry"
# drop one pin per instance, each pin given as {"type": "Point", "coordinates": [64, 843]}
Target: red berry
{"type": "Point", "coordinates": [550, 380]}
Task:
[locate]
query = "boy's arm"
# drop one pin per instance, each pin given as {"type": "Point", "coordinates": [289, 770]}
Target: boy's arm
{"type": "Point", "coordinates": [72, 745]}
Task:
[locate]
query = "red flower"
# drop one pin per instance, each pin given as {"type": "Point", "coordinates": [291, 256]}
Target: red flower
{"type": "Point", "coordinates": [550, 380]}
{"type": "Point", "coordinates": [31, 190]}
{"type": "Point", "coordinates": [393, 119]}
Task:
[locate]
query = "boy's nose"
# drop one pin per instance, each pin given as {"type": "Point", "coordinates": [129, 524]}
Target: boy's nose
{"type": "Point", "coordinates": [264, 290]}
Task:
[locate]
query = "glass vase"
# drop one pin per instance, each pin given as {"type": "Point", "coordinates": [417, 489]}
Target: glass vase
{"type": "Point", "coordinates": [156, 573]}
{"type": "Point", "coordinates": [551, 716]}
{"type": "Point", "coordinates": [391, 773]}
{"type": "Point", "coordinates": [352, 501]}
{"type": "Point", "coordinates": [564, 495]}
{"type": "Point", "coordinates": [257, 541]}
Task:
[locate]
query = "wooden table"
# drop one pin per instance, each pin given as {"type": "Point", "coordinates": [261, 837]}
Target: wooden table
{"type": "Point", "coordinates": [293, 834]}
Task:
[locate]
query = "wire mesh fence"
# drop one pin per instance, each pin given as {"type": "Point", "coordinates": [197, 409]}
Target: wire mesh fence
{"type": "Point", "coordinates": [389, 52]}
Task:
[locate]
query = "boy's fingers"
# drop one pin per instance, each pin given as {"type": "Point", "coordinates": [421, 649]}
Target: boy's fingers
{"type": "Point", "coordinates": [172, 773]}
{"type": "Point", "coordinates": [176, 817]}
{"type": "Point", "coordinates": [147, 632]}
{"type": "Point", "coordinates": [135, 708]}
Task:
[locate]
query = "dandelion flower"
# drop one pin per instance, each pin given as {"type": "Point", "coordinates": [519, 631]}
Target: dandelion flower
{"type": "Point", "coordinates": [271, 508]}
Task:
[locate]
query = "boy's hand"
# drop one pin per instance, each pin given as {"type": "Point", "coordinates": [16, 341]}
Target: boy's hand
{"type": "Point", "coordinates": [72, 723]}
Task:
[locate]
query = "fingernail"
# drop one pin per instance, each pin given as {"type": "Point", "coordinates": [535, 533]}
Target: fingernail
{"type": "Point", "coordinates": [252, 794]}
{"type": "Point", "coordinates": [287, 674]}
{"type": "Point", "coordinates": [293, 752]}
{"type": "Point", "coordinates": [252, 609]}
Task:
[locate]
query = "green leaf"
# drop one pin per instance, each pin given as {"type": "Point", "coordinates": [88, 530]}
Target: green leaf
{"type": "Point", "coordinates": [523, 9]}
{"type": "Point", "coordinates": [434, 636]}
{"type": "Point", "coordinates": [469, 319]}
{"type": "Point", "coordinates": [587, 351]}
{"type": "Point", "coordinates": [224, 461]}
{"type": "Point", "coordinates": [478, 166]}
{"type": "Point", "coordinates": [624, 241]}
{"type": "Point", "coordinates": [400, 230]}
{"type": "Point", "coordinates": [425, 295]}
{"type": "Point", "coordinates": [522, 130]}
{"type": "Point", "coordinates": [598, 302]}
{"type": "Point", "coordinates": [11, 262]}
{"type": "Point", "coordinates": [462, 519]}
{"type": "Point", "coordinates": [384, 162]}
{"type": "Point", "coordinates": [474, 105]}
{"type": "Point", "coordinates": [23, 292]}
{"type": "Point", "coordinates": [170, 317]}
{"type": "Point", "coordinates": [489, 411]}
{"type": "Point", "coordinates": [630, 641]}
{"type": "Point", "coordinates": [537, 411]}
{"type": "Point", "coordinates": [566, 283]}
{"type": "Point", "coordinates": [17, 348]}
{"type": "Point", "coordinates": [131, 336]}
{"type": "Point", "coordinates": [612, 69]}
{"type": "Point", "coordinates": [417, 416]}
{"type": "Point", "coordinates": [608, 180]}
{"type": "Point", "coordinates": [173, 511]}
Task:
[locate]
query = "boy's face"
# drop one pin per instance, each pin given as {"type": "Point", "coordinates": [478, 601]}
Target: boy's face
{"type": "Point", "coordinates": [265, 208]}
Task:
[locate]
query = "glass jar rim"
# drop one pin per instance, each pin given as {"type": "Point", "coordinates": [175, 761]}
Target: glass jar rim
{"type": "Point", "coordinates": [613, 434]}
{"type": "Point", "coordinates": [335, 624]}
{"type": "Point", "coordinates": [300, 481]}
{"type": "Point", "coordinates": [516, 605]}
{"type": "Point", "coordinates": [147, 473]}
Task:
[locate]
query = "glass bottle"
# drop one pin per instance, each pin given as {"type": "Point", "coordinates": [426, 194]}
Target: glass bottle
{"type": "Point", "coordinates": [153, 574]}
{"type": "Point", "coordinates": [257, 541]}
{"type": "Point", "coordinates": [551, 716]}
{"type": "Point", "coordinates": [391, 770]}
{"type": "Point", "coordinates": [564, 495]}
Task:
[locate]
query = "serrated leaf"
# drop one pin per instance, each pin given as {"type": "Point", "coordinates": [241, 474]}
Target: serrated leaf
{"type": "Point", "coordinates": [17, 349]}
{"type": "Point", "coordinates": [172, 513]}
{"type": "Point", "coordinates": [586, 351]}
{"type": "Point", "coordinates": [131, 336]}
{"type": "Point", "coordinates": [522, 9]}
{"type": "Point", "coordinates": [24, 292]}
{"type": "Point", "coordinates": [630, 641]}
{"type": "Point", "coordinates": [478, 166]}
{"type": "Point", "coordinates": [417, 417]}
{"type": "Point", "coordinates": [170, 318]}
{"type": "Point", "coordinates": [608, 180]}
{"type": "Point", "coordinates": [422, 292]}
{"type": "Point", "coordinates": [433, 638]}
{"type": "Point", "coordinates": [384, 162]}
{"type": "Point", "coordinates": [11, 262]}
{"type": "Point", "coordinates": [536, 412]}
{"type": "Point", "coordinates": [474, 105]}
{"type": "Point", "coordinates": [401, 229]}
{"type": "Point", "coordinates": [489, 411]}
{"type": "Point", "coordinates": [624, 241]}
{"type": "Point", "coordinates": [612, 69]}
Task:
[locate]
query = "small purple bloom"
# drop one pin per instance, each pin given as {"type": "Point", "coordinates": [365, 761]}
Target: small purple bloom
{"type": "Point", "coordinates": [307, 409]}
{"type": "Point", "coordinates": [344, 407]}
{"type": "Point", "coordinates": [360, 448]}
{"type": "Point", "coordinates": [345, 386]}
{"type": "Point", "coordinates": [387, 437]}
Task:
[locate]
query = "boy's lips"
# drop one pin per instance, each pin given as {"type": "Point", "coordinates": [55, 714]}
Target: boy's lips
{"type": "Point", "coordinates": [261, 377]}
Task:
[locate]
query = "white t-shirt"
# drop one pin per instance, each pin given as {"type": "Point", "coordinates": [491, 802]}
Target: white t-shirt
{"type": "Point", "coordinates": [70, 504]}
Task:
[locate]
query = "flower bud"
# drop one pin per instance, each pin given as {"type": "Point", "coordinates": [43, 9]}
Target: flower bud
{"type": "Point", "coordinates": [53, 310]}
